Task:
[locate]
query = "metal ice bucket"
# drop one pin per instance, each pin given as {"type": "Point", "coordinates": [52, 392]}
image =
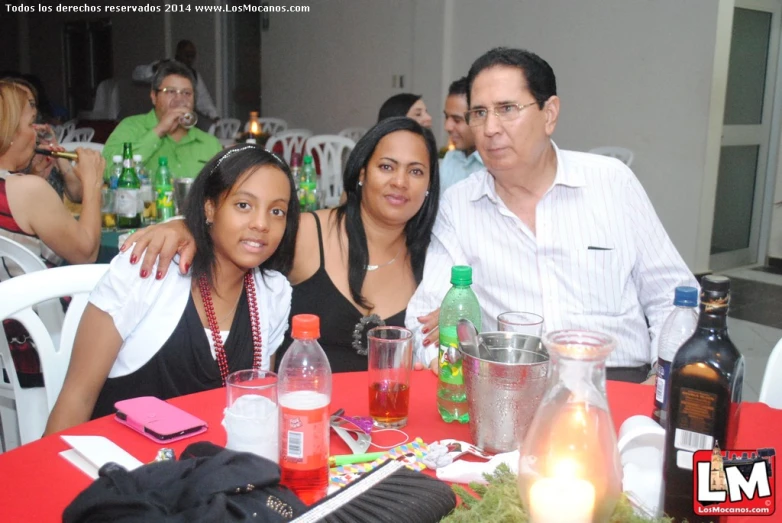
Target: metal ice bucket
{"type": "Point", "coordinates": [181, 189]}
{"type": "Point", "coordinates": [504, 393]}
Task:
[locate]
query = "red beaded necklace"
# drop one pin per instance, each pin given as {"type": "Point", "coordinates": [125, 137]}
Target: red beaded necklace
{"type": "Point", "coordinates": [255, 320]}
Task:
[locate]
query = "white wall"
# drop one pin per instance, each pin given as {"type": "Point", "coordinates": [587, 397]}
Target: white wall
{"type": "Point", "coordinates": [632, 73]}
{"type": "Point", "coordinates": [332, 68]}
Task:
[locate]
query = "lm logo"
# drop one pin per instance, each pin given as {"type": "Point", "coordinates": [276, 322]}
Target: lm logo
{"type": "Point", "coordinates": [739, 482]}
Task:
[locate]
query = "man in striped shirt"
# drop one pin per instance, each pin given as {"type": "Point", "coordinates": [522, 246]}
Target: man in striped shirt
{"type": "Point", "coordinates": [570, 236]}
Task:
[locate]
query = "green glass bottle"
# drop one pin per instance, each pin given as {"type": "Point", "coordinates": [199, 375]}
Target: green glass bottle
{"type": "Point", "coordinates": [128, 185]}
{"type": "Point", "coordinates": [460, 303]}
{"type": "Point", "coordinates": [164, 191]}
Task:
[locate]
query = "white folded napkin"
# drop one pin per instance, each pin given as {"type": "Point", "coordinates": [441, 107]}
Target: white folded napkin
{"type": "Point", "coordinates": [90, 453]}
{"type": "Point", "coordinates": [641, 446]}
{"type": "Point", "coordinates": [461, 471]}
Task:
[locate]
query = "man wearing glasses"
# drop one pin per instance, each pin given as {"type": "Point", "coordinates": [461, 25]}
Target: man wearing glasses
{"type": "Point", "coordinates": [162, 131]}
{"type": "Point", "coordinates": [570, 236]}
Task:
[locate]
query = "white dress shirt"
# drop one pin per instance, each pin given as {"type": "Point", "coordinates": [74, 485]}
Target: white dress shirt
{"type": "Point", "coordinates": [600, 259]}
{"type": "Point", "coordinates": [146, 310]}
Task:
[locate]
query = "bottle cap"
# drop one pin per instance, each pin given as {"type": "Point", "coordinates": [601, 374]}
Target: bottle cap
{"type": "Point", "coordinates": [307, 159]}
{"type": "Point", "coordinates": [136, 157]}
{"type": "Point", "coordinates": [295, 160]}
{"type": "Point", "coordinates": [461, 275]}
{"type": "Point", "coordinates": [686, 297]}
{"type": "Point", "coordinates": [162, 161]}
{"type": "Point", "coordinates": [305, 326]}
{"type": "Point", "coordinates": [117, 158]}
{"type": "Point", "coordinates": [715, 294]}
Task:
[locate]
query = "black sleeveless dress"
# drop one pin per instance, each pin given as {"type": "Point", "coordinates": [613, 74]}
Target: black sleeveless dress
{"type": "Point", "coordinates": [184, 364]}
{"type": "Point", "coordinates": [340, 321]}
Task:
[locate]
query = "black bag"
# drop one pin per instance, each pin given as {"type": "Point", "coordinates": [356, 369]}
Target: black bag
{"type": "Point", "coordinates": [392, 493]}
{"type": "Point", "coordinates": [207, 484]}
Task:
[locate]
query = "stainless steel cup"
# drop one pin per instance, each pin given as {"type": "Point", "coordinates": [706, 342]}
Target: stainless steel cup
{"type": "Point", "coordinates": [503, 394]}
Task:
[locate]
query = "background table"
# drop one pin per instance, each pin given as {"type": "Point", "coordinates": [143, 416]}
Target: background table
{"type": "Point", "coordinates": [37, 484]}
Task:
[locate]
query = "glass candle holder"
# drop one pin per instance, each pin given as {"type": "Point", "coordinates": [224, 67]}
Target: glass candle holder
{"type": "Point", "coordinates": [569, 465]}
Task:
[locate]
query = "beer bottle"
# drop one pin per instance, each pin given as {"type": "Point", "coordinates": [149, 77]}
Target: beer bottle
{"type": "Point", "coordinates": [128, 185]}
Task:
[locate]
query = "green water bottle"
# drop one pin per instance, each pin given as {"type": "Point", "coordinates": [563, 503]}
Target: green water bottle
{"type": "Point", "coordinates": [460, 303]}
{"type": "Point", "coordinates": [128, 186]}
{"type": "Point", "coordinates": [164, 193]}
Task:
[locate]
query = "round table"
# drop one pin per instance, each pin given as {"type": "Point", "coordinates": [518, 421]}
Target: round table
{"type": "Point", "coordinates": [38, 484]}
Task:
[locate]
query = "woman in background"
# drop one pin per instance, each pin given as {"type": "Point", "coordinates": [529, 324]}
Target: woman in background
{"type": "Point", "coordinates": [406, 104]}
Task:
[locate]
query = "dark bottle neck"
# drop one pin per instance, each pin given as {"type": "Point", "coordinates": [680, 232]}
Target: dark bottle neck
{"type": "Point", "coordinates": [713, 322]}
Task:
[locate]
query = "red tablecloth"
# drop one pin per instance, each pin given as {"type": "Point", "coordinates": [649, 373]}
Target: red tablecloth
{"type": "Point", "coordinates": [37, 484]}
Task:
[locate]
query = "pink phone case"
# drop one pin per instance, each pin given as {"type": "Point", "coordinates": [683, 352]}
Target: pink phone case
{"type": "Point", "coordinates": [153, 414]}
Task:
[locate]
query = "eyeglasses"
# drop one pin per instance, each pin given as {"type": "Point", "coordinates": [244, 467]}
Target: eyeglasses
{"type": "Point", "coordinates": [170, 91]}
{"type": "Point", "coordinates": [505, 112]}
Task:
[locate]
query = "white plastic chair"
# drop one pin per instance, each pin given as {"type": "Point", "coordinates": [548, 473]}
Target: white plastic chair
{"type": "Point", "coordinates": [771, 389]}
{"type": "Point", "coordinates": [49, 311]}
{"type": "Point", "coordinates": [17, 297]}
{"type": "Point", "coordinates": [82, 134]}
{"type": "Point", "coordinates": [292, 142]}
{"type": "Point", "coordinates": [620, 153]}
{"type": "Point", "coordinates": [354, 133]}
{"type": "Point", "coordinates": [332, 151]}
{"type": "Point", "coordinates": [225, 128]}
{"type": "Point", "coordinates": [72, 146]}
{"type": "Point", "coordinates": [61, 131]}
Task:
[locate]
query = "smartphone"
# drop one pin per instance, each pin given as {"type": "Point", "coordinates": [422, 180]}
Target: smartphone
{"type": "Point", "coordinates": [158, 420]}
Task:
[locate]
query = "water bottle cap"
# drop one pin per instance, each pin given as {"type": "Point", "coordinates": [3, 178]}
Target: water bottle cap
{"type": "Point", "coordinates": [686, 297]}
{"type": "Point", "coordinates": [461, 275]}
{"type": "Point", "coordinates": [295, 160]}
{"type": "Point", "coordinates": [136, 157]}
{"type": "Point", "coordinates": [307, 159]}
{"type": "Point", "coordinates": [117, 158]}
{"type": "Point", "coordinates": [305, 326]}
{"type": "Point", "coordinates": [162, 160]}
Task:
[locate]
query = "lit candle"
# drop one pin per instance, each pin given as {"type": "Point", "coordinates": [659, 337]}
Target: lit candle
{"type": "Point", "coordinates": [561, 500]}
{"type": "Point", "coordinates": [254, 128]}
{"type": "Point", "coordinates": [451, 146]}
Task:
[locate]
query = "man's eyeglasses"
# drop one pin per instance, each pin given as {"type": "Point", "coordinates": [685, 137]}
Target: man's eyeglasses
{"type": "Point", "coordinates": [505, 112]}
{"type": "Point", "coordinates": [170, 91]}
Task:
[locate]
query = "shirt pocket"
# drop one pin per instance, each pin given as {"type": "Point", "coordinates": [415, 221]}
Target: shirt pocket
{"type": "Point", "coordinates": [597, 280]}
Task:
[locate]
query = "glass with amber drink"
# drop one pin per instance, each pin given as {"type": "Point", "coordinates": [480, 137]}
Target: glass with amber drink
{"type": "Point", "coordinates": [390, 366]}
{"type": "Point", "coordinates": [108, 209]}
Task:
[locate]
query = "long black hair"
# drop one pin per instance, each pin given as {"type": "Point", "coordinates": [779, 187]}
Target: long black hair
{"type": "Point", "coordinates": [418, 230]}
{"type": "Point", "coordinates": [218, 177]}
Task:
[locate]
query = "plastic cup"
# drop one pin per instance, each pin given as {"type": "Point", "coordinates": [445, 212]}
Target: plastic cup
{"type": "Point", "coordinates": [527, 323]}
{"type": "Point", "coordinates": [390, 366]}
{"type": "Point", "coordinates": [252, 412]}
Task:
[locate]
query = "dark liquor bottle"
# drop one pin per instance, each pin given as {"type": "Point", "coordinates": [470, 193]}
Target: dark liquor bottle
{"type": "Point", "coordinates": [128, 185]}
{"type": "Point", "coordinates": [707, 374]}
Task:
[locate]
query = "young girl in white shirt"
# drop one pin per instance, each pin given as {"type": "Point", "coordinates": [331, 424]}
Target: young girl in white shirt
{"type": "Point", "coordinates": [174, 335]}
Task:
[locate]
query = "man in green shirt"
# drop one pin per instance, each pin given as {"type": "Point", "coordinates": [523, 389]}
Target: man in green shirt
{"type": "Point", "coordinates": [159, 133]}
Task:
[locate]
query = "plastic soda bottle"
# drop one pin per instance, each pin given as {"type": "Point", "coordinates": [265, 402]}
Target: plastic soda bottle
{"type": "Point", "coordinates": [308, 186]}
{"type": "Point", "coordinates": [460, 303]}
{"type": "Point", "coordinates": [304, 392]}
{"type": "Point", "coordinates": [164, 198]}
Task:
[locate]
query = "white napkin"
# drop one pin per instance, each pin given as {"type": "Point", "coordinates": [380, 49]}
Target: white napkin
{"type": "Point", "coordinates": [90, 453]}
{"type": "Point", "coordinates": [641, 447]}
{"type": "Point", "coordinates": [251, 426]}
{"type": "Point", "coordinates": [461, 471]}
